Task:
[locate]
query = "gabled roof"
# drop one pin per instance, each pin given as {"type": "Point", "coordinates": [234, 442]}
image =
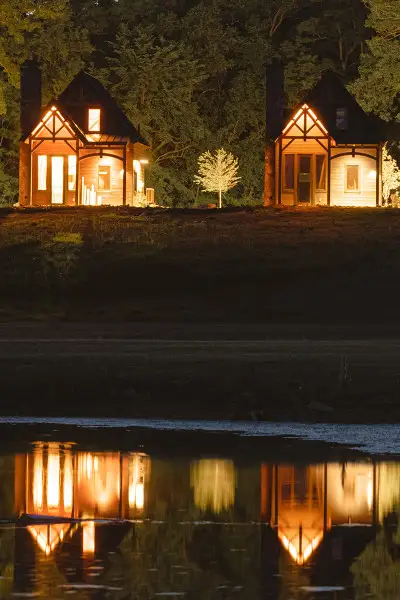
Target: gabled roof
{"type": "Point", "coordinates": [330, 94]}
{"type": "Point", "coordinates": [85, 90]}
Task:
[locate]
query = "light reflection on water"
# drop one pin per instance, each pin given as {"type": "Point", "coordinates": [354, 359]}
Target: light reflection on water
{"type": "Point", "coordinates": [139, 526]}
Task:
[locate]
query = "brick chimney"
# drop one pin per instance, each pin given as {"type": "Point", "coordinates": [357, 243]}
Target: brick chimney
{"type": "Point", "coordinates": [31, 96]}
{"type": "Point", "coordinates": [274, 122]}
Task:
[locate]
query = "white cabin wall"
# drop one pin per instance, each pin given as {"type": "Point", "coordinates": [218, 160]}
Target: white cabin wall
{"type": "Point", "coordinates": [367, 194]}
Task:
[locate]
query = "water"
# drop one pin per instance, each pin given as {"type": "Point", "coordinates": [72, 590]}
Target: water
{"type": "Point", "coordinates": [139, 515]}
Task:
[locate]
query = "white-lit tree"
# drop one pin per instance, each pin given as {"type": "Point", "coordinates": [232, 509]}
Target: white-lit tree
{"type": "Point", "coordinates": [390, 174]}
{"type": "Point", "coordinates": [217, 172]}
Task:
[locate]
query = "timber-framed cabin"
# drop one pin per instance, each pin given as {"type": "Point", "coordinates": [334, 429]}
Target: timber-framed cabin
{"type": "Point", "coordinates": [326, 151]}
{"type": "Point", "coordinates": [80, 149]}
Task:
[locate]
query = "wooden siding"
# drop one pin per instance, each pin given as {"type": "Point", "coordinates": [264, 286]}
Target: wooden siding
{"type": "Point", "coordinates": [89, 171]}
{"type": "Point", "coordinates": [367, 194]}
{"type": "Point", "coordinates": [24, 174]}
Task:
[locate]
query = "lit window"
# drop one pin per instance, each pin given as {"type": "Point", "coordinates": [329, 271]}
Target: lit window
{"type": "Point", "coordinates": [321, 171]}
{"type": "Point", "coordinates": [42, 172]}
{"type": "Point", "coordinates": [352, 178]}
{"type": "Point", "coordinates": [289, 171]}
{"type": "Point", "coordinates": [72, 172]}
{"type": "Point", "coordinates": [341, 118]}
{"type": "Point", "coordinates": [104, 179]}
{"type": "Point", "coordinates": [94, 119]}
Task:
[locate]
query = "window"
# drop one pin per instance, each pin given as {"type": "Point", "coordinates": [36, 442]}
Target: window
{"type": "Point", "coordinates": [341, 118]}
{"type": "Point", "coordinates": [352, 178]}
{"type": "Point", "coordinates": [104, 179]}
{"type": "Point", "coordinates": [42, 172]}
{"type": "Point", "coordinates": [288, 183]}
{"type": "Point", "coordinates": [72, 172]}
{"type": "Point", "coordinates": [57, 179]}
{"type": "Point", "coordinates": [320, 171]}
{"type": "Point", "coordinates": [94, 119]}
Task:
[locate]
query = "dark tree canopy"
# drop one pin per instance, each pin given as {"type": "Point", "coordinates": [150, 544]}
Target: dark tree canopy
{"type": "Point", "coordinates": [191, 73]}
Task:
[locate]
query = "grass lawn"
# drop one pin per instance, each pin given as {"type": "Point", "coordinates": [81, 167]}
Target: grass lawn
{"type": "Point", "coordinates": [317, 265]}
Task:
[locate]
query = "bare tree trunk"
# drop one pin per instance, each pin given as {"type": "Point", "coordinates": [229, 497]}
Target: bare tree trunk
{"type": "Point", "coordinates": [220, 199]}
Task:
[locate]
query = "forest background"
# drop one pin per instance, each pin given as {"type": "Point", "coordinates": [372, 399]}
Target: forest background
{"type": "Point", "coordinates": [191, 73]}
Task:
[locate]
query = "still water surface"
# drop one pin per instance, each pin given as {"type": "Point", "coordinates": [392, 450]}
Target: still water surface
{"type": "Point", "coordinates": [119, 524]}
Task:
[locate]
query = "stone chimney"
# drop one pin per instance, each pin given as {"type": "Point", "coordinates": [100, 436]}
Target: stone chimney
{"type": "Point", "coordinates": [31, 96]}
{"type": "Point", "coordinates": [275, 99]}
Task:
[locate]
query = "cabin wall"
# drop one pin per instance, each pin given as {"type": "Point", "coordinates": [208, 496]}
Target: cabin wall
{"type": "Point", "coordinates": [89, 174]}
{"type": "Point", "coordinates": [366, 195]}
{"type": "Point", "coordinates": [24, 174]}
{"type": "Point", "coordinates": [129, 174]}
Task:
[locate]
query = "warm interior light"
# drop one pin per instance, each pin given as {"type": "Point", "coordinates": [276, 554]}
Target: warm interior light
{"type": "Point", "coordinates": [38, 480]}
{"type": "Point", "coordinates": [53, 480]}
{"type": "Point", "coordinates": [72, 172]}
{"type": "Point", "coordinates": [48, 537]}
{"type": "Point", "coordinates": [136, 481]}
{"type": "Point", "coordinates": [293, 545]}
{"type": "Point", "coordinates": [144, 161]}
{"type": "Point", "coordinates": [88, 537]}
{"type": "Point", "coordinates": [68, 482]}
{"type": "Point", "coordinates": [57, 179]}
{"type": "Point", "coordinates": [94, 119]}
{"type": "Point", "coordinates": [372, 174]}
{"type": "Point", "coordinates": [42, 172]}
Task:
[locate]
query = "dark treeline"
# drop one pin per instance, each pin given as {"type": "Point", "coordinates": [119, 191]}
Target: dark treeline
{"type": "Point", "coordinates": [191, 73]}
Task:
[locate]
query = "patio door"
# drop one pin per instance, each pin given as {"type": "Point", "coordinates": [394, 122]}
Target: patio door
{"type": "Point", "coordinates": [304, 179]}
{"type": "Point", "coordinates": [57, 179]}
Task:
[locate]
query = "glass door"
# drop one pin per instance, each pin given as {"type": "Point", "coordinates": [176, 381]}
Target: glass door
{"type": "Point", "coordinates": [304, 178]}
{"type": "Point", "coordinates": [57, 179]}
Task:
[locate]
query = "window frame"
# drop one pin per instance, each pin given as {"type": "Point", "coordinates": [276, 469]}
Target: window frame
{"type": "Point", "coordinates": [69, 173]}
{"type": "Point", "coordinates": [94, 108]}
{"type": "Point", "coordinates": [104, 189]}
{"type": "Point", "coordinates": [284, 186]}
{"type": "Point", "coordinates": [344, 118]}
{"type": "Point", "coordinates": [39, 188]}
{"type": "Point", "coordinates": [323, 170]}
{"type": "Point", "coordinates": [346, 189]}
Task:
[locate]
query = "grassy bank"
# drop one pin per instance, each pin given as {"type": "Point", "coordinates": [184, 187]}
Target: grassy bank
{"type": "Point", "coordinates": [262, 265]}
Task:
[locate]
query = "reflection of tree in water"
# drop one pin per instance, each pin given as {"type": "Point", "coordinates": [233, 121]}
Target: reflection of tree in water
{"type": "Point", "coordinates": [377, 570]}
{"type": "Point", "coordinates": [186, 558]}
{"type": "Point", "coordinates": [213, 482]}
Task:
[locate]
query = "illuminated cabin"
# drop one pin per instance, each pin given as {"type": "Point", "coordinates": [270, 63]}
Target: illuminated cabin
{"type": "Point", "coordinates": [57, 482]}
{"type": "Point", "coordinates": [326, 151]}
{"type": "Point", "coordinates": [80, 149]}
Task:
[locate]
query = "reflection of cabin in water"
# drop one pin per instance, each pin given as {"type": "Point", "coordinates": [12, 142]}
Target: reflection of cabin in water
{"type": "Point", "coordinates": [304, 503]}
{"type": "Point", "coordinates": [307, 513]}
{"type": "Point", "coordinates": [55, 481]}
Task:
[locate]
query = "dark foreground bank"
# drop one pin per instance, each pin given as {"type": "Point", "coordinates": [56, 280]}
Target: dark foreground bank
{"type": "Point", "coordinates": [228, 374]}
{"type": "Point", "coordinates": [257, 266]}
